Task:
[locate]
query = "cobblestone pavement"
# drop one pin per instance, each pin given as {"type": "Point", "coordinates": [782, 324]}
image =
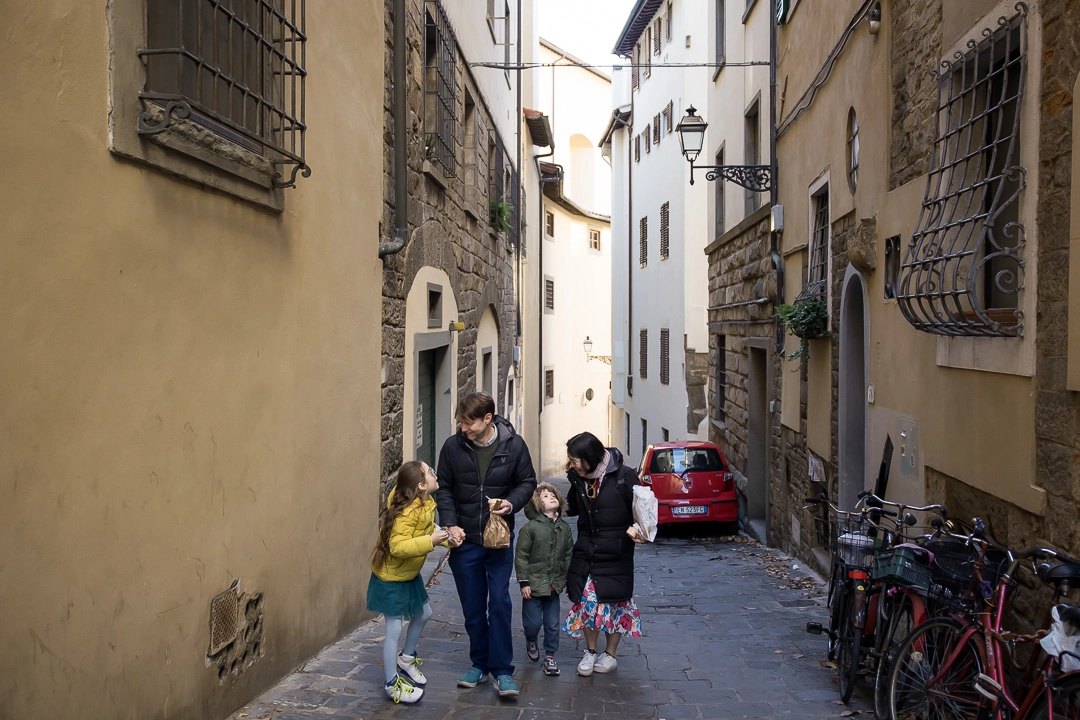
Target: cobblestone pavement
{"type": "Point", "coordinates": [723, 622]}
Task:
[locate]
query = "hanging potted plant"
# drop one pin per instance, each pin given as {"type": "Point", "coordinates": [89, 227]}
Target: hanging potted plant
{"type": "Point", "coordinates": [807, 320]}
{"type": "Point", "coordinates": [501, 213]}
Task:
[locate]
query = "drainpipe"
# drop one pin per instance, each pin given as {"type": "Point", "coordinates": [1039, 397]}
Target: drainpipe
{"type": "Point", "coordinates": [401, 170]}
{"type": "Point", "coordinates": [774, 191]}
{"type": "Point", "coordinates": [540, 264]}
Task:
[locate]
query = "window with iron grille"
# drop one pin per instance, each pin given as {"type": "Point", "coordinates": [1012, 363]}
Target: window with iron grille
{"type": "Point", "coordinates": [635, 70]}
{"type": "Point", "coordinates": [664, 356]}
{"type": "Point", "coordinates": [643, 354]}
{"type": "Point", "coordinates": [637, 148]}
{"type": "Point", "coordinates": [721, 378]}
{"type": "Point", "coordinates": [440, 88]}
{"type": "Point", "coordinates": [962, 272]}
{"type": "Point", "coordinates": [817, 273]}
{"type": "Point", "coordinates": [594, 239]}
{"type": "Point", "coordinates": [664, 231]}
{"type": "Point", "coordinates": [238, 72]}
{"type": "Point", "coordinates": [549, 294]}
{"type": "Point", "coordinates": [549, 386]}
{"type": "Point", "coordinates": [643, 241]}
{"type": "Point", "coordinates": [656, 129]}
{"type": "Point", "coordinates": [753, 154]}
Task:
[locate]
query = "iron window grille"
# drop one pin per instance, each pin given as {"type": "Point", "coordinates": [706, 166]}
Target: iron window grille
{"type": "Point", "coordinates": [643, 241]}
{"type": "Point", "coordinates": [665, 217]}
{"type": "Point", "coordinates": [817, 274]}
{"type": "Point", "coordinates": [237, 69]}
{"type": "Point", "coordinates": [643, 354]}
{"type": "Point", "coordinates": [440, 88]}
{"type": "Point", "coordinates": [962, 272]}
{"type": "Point", "coordinates": [665, 374]}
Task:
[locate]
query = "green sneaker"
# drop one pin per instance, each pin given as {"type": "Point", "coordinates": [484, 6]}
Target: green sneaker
{"type": "Point", "coordinates": [506, 685]}
{"type": "Point", "coordinates": [472, 677]}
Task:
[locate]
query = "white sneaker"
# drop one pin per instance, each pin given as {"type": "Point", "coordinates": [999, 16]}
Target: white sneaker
{"type": "Point", "coordinates": [401, 690]}
{"type": "Point", "coordinates": [588, 661]}
{"type": "Point", "coordinates": [410, 665]}
{"type": "Point", "coordinates": [605, 663]}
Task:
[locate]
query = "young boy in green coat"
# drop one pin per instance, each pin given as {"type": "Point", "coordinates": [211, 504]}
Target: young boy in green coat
{"type": "Point", "coordinates": [541, 561]}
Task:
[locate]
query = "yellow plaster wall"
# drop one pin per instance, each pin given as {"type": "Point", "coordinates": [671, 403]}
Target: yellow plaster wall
{"type": "Point", "coordinates": [188, 385]}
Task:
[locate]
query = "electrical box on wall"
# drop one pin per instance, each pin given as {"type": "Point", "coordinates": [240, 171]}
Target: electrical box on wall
{"type": "Point", "coordinates": [776, 218]}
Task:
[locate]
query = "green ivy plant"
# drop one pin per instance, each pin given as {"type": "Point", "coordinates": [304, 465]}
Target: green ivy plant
{"type": "Point", "coordinates": [807, 320]}
{"type": "Point", "coordinates": [501, 213]}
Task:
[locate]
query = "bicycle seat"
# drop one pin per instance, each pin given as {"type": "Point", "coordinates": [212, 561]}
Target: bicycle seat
{"type": "Point", "coordinates": [1065, 575]}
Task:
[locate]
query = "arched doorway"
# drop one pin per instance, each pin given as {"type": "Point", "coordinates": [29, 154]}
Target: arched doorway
{"type": "Point", "coordinates": [853, 384]}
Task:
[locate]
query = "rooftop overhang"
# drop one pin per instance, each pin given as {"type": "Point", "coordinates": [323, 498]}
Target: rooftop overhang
{"type": "Point", "coordinates": [620, 117]}
{"type": "Point", "coordinates": [539, 128]}
{"type": "Point", "coordinates": [639, 19]}
{"type": "Point", "coordinates": [552, 175]}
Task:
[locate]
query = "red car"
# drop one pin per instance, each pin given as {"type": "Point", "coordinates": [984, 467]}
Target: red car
{"type": "Point", "coordinates": [691, 481]}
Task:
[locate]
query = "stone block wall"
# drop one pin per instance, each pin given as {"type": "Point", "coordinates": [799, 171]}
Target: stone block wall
{"type": "Point", "coordinates": [916, 50]}
{"type": "Point", "coordinates": [477, 259]}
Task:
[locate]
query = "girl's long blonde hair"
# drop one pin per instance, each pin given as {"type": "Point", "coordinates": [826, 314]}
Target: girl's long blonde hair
{"type": "Point", "coordinates": [406, 489]}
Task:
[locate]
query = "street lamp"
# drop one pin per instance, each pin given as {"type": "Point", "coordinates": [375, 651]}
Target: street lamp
{"type": "Point", "coordinates": [588, 348]}
{"type": "Point", "coordinates": [691, 129]}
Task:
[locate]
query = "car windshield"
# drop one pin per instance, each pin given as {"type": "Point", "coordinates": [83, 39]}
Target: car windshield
{"type": "Point", "coordinates": [679, 460]}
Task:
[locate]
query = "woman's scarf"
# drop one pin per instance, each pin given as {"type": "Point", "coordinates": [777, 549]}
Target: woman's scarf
{"type": "Point", "coordinates": [593, 479]}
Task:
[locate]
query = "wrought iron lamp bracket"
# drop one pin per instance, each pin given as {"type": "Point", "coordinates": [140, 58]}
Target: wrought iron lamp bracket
{"type": "Point", "coordinates": [602, 358]}
{"type": "Point", "coordinates": [756, 178]}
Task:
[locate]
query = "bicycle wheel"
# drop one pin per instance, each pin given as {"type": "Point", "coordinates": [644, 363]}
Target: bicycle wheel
{"type": "Point", "coordinates": [1065, 694]}
{"type": "Point", "coordinates": [924, 684]}
{"type": "Point", "coordinates": [896, 620]}
{"type": "Point", "coordinates": [837, 593]}
{"type": "Point", "coordinates": [847, 659]}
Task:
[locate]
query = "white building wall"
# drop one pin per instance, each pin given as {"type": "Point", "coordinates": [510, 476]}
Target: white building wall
{"type": "Point", "coordinates": [670, 293]}
{"type": "Point", "coordinates": [576, 101]}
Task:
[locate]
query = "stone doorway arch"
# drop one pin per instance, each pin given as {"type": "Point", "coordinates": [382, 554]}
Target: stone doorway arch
{"type": "Point", "coordinates": [854, 350]}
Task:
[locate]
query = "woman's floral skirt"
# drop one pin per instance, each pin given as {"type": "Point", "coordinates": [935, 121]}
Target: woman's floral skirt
{"type": "Point", "coordinates": [620, 617]}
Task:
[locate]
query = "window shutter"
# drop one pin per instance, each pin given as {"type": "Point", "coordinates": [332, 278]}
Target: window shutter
{"type": "Point", "coordinates": [656, 36]}
{"type": "Point", "coordinates": [643, 354]}
{"type": "Point", "coordinates": [635, 71]}
{"type": "Point", "coordinates": [664, 218]}
{"type": "Point", "coordinates": [643, 242]}
{"type": "Point", "coordinates": [670, 110]}
{"type": "Point", "coordinates": [664, 356]}
{"type": "Point", "coordinates": [549, 294]}
{"type": "Point", "coordinates": [637, 148]}
{"type": "Point", "coordinates": [656, 129]}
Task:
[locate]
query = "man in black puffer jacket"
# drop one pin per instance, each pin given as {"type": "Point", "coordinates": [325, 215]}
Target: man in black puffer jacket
{"type": "Point", "coordinates": [485, 461]}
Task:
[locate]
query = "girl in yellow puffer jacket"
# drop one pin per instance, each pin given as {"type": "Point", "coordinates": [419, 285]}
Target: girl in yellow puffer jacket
{"type": "Point", "coordinates": [407, 533]}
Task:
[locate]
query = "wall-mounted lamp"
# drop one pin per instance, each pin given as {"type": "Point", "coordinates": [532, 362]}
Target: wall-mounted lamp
{"type": "Point", "coordinates": [587, 344]}
{"type": "Point", "coordinates": [456, 326]}
{"type": "Point", "coordinates": [691, 129]}
{"type": "Point", "coordinates": [873, 17]}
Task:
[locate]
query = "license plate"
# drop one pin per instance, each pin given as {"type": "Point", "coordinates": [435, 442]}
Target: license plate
{"type": "Point", "coordinates": [689, 510]}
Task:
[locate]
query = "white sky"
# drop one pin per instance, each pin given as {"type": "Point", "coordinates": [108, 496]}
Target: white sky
{"type": "Point", "coordinates": [587, 29]}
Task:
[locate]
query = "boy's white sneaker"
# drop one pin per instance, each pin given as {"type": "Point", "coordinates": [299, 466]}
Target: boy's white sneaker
{"type": "Point", "coordinates": [401, 690]}
{"type": "Point", "coordinates": [410, 665]}
{"type": "Point", "coordinates": [605, 663]}
{"type": "Point", "coordinates": [588, 661]}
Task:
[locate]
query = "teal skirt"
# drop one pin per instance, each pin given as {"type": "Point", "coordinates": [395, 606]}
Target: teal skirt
{"type": "Point", "coordinates": [404, 599]}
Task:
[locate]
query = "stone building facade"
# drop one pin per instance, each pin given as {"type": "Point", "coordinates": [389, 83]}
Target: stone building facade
{"type": "Point", "coordinates": [454, 241]}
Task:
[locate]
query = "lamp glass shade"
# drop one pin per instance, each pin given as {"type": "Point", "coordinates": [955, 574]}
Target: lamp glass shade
{"type": "Point", "coordinates": [691, 131]}
{"type": "Point", "coordinates": [588, 345]}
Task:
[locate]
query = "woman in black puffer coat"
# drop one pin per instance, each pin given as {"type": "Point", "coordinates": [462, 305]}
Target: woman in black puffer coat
{"type": "Point", "coordinates": [600, 582]}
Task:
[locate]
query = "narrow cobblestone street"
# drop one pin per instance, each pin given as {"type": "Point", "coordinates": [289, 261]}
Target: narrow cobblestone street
{"type": "Point", "coordinates": [723, 637]}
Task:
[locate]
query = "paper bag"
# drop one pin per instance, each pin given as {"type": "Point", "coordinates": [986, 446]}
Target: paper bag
{"type": "Point", "coordinates": [496, 532]}
{"type": "Point", "coordinates": [645, 509]}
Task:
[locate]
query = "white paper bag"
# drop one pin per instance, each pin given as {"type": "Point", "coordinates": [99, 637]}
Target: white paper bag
{"type": "Point", "coordinates": [645, 510]}
{"type": "Point", "coordinates": [1063, 642]}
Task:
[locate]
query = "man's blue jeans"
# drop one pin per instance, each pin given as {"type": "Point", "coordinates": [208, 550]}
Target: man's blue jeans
{"type": "Point", "coordinates": [545, 610]}
{"type": "Point", "coordinates": [482, 577]}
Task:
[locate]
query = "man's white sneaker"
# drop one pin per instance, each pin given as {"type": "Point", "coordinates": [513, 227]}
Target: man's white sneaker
{"type": "Point", "coordinates": [588, 661]}
{"type": "Point", "coordinates": [401, 690]}
{"type": "Point", "coordinates": [605, 663]}
{"type": "Point", "coordinates": [410, 665]}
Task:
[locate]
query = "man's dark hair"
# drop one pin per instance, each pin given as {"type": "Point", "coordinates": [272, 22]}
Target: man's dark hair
{"type": "Point", "coordinates": [475, 406]}
{"type": "Point", "coordinates": [586, 446]}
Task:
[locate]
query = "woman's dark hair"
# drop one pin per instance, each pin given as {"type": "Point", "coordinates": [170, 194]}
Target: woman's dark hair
{"type": "Point", "coordinates": [409, 477]}
{"type": "Point", "coordinates": [587, 447]}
